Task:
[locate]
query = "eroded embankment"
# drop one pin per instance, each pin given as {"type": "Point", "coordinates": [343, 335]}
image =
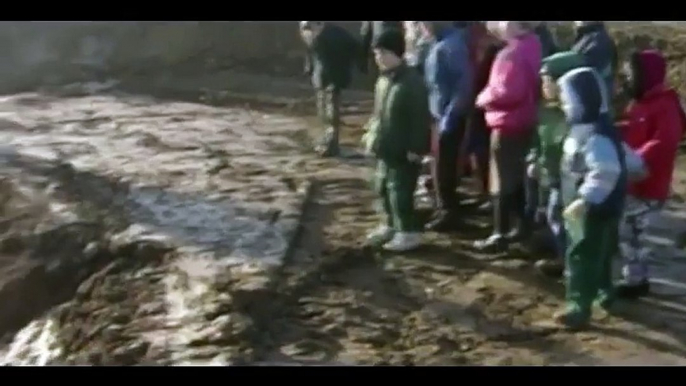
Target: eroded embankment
{"type": "Point", "coordinates": [204, 208]}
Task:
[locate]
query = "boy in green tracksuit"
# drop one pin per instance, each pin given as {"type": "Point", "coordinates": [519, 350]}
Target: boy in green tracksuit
{"type": "Point", "coordinates": [546, 153]}
{"type": "Point", "coordinates": [398, 135]}
{"type": "Point", "coordinates": [593, 180]}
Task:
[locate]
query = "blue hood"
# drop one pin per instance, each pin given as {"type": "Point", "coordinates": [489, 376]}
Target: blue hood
{"type": "Point", "coordinates": [583, 96]}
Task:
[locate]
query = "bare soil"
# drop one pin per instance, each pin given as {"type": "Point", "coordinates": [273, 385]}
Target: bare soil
{"type": "Point", "coordinates": [333, 301]}
{"type": "Point", "coordinates": [440, 305]}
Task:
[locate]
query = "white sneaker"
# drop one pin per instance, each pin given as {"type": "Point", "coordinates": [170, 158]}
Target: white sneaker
{"type": "Point", "coordinates": [404, 242]}
{"type": "Point", "coordinates": [380, 235]}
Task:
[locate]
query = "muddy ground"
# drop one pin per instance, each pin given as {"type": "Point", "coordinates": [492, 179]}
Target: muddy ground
{"type": "Point", "coordinates": [175, 289]}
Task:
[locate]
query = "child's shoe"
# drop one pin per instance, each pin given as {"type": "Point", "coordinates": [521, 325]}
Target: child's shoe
{"type": "Point", "coordinates": [404, 242]}
{"type": "Point", "coordinates": [381, 235]}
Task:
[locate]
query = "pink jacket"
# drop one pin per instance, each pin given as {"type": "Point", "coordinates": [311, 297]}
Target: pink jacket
{"type": "Point", "coordinates": [510, 98]}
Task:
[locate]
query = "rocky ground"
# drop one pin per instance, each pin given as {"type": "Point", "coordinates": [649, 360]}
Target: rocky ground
{"type": "Point", "coordinates": [196, 204]}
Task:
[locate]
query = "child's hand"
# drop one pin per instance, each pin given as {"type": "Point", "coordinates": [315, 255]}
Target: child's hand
{"type": "Point", "coordinates": [574, 210]}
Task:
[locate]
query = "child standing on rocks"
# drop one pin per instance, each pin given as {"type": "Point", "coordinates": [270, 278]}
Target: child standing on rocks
{"type": "Point", "coordinates": [331, 55]}
{"type": "Point", "coordinates": [594, 177]}
{"type": "Point", "coordinates": [653, 126]}
{"type": "Point", "coordinates": [546, 153]}
{"type": "Point", "coordinates": [398, 136]}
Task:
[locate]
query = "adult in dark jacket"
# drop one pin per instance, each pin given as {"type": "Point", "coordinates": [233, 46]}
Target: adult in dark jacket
{"type": "Point", "coordinates": [598, 49]}
{"type": "Point", "coordinates": [330, 58]}
{"type": "Point", "coordinates": [449, 77]}
{"type": "Point", "coordinates": [371, 30]}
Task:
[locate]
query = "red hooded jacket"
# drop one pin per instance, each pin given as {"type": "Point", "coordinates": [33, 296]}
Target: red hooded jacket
{"type": "Point", "coordinates": [653, 126]}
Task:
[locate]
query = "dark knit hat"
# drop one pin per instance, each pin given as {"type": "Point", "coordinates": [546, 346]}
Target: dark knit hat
{"type": "Point", "coordinates": [391, 40]}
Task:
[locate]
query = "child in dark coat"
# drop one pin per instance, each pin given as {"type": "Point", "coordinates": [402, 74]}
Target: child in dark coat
{"type": "Point", "coordinates": [398, 135]}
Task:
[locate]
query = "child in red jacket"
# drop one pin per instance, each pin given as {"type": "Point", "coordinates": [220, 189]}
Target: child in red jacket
{"type": "Point", "coordinates": [653, 126]}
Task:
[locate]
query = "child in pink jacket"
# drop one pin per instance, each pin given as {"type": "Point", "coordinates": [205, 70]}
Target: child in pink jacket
{"type": "Point", "coordinates": [510, 101]}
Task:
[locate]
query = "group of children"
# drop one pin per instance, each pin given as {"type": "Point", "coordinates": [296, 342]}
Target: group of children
{"type": "Point", "coordinates": [539, 124]}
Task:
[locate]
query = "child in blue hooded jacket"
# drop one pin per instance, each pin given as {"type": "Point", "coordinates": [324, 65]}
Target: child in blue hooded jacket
{"type": "Point", "coordinates": [594, 178]}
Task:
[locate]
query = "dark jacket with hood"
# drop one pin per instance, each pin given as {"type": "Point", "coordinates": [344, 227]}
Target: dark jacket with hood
{"type": "Point", "coordinates": [370, 30]}
{"type": "Point", "coordinates": [331, 57]}
{"type": "Point", "coordinates": [593, 166]}
{"type": "Point", "coordinates": [599, 50]}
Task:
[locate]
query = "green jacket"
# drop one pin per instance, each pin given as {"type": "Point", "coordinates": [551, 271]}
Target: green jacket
{"type": "Point", "coordinates": [546, 149]}
{"type": "Point", "coordinates": [401, 122]}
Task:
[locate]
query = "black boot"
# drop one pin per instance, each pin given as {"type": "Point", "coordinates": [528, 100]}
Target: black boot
{"type": "Point", "coordinates": [496, 243]}
{"type": "Point", "coordinates": [625, 290]}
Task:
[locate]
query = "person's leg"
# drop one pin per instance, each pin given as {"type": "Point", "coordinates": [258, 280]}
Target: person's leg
{"type": "Point", "coordinates": [518, 210]}
{"type": "Point", "coordinates": [636, 249]}
{"type": "Point", "coordinates": [481, 169]}
{"type": "Point", "coordinates": [585, 263]}
{"type": "Point", "coordinates": [518, 148]}
{"type": "Point", "coordinates": [479, 149]}
{"type": "Point", "coordinates": [606, 290]}
{"type": "Point", "coordinates": [431, 182]}
{"type": "Point", "coordinates": [483, 166]}
{"type": "Point", "coordinates": [320, 100]}
{"type": "Point", "coordinates": [531, 207]}
{"type": "Point", "coordinates": [555, 267]}
{"type": "Point", "coordinates": [497, 241]}
{"type": "Point", "coordinates": [401, 185]}
{"type": "Point", "coordinates": [446, 179]}
{"type": "Point", "coordinates": [384, 232]}
{"type": "Point", "coordinates": [332, 103]}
